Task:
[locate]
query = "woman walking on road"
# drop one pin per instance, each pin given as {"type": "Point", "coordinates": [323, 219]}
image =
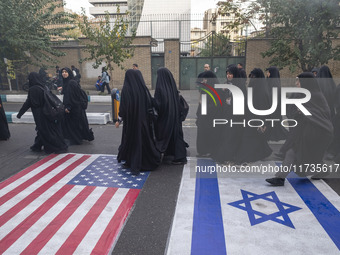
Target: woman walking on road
{"type": "Point", "coordinates": [137, 147]}
{"type": "Point", "coordinates": [49, 132]}
{"type": "Point", "coordinates": [75, 125]}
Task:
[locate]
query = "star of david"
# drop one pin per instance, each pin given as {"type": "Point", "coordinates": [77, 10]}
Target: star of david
{"type": "Point", "coordinates": [256, 217]}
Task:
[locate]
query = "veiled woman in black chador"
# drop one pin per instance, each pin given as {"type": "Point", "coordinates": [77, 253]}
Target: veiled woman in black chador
{"type": "Point", "coordinates": [168, 127]}
{"type": "Point", "coordinates": [49, 133]}
{"type": "Point", "coordinates": [4, 131]}
{"type": "Point", "coordinates": [75, 125]}
{"type": "Point", "coordinates": [137, 147]}
{"type": "Point", "coordinates": [277, 132]}
{"type": "Point", "coordinates": [254, 144]}
{"type": "Point", "coordinates": [206, 134]}
{"type": "Point", "coordinates": [327, 86]}
{"type": "Point", "coordinates": [230, 137]}
{"type": "Point", "coordinates": [313, 134]}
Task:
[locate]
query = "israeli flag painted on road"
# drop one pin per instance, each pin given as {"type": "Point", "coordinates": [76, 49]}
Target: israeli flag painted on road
{"type": "Point", "coordinates": [248, 216]}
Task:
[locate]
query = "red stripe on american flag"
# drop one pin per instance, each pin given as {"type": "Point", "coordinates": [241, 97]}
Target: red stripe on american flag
{"type": "Point", "coordinates": [41, 240]}
{"type": "Point", "coordinates": [26, 171]}
{"type": "Point", "coordinates": [18, 231]}
{"type": "Point", "coordinates": [30, 181]}
{"type": "Point", "coordinates": [84, 226]}
{"type": "Point", "coordinates": [115, 224]}
{"type": "Point", "coordinates": [26, 201]}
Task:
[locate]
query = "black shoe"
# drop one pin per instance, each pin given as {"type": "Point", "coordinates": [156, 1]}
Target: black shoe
{"type": "Point", "coordinates": [179, 162]}
{"type": "Point", "coordinates": [135, 172]}
{"type": "Point", "coordinates": [35, 149]}
{"type": "Point", "coordinates": [319, 176]}
{"type": "Point", "coordinates": [125, 166]}
{"type": "Point", "coordinates": [276, 181]}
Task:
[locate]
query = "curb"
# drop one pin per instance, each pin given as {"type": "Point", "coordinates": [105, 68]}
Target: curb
{"type": "Point", "coordinates": [27, 118]}
{"type": "Point", "coordinates": [22, 98]}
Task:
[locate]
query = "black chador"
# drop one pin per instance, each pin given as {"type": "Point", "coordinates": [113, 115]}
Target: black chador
{"type": "Point", "coordinates": [277, 132]}
{"type": "Point", "coordinates": [75, 125]}
{"type": "Point", "coordinates": [315, 132]}
{"type": "Point", "coordinates": [229, 138]}
{"type": "Point", "coordinates": [327, 86]}
{"type": "Point", "coordinates": [4, 131]}
{"type": "Point", "coordinates": [49, 133]}
{"type": "Point", "coordinates": [168, 127]}
{"type": "Point", "coordinates": [254, 144]}
{"type": "Point", "coordinates": [137, 147]}
{"type": "Point", "coordinates": [206, 134]}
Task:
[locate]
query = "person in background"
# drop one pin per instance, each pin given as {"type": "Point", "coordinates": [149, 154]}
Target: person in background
{"type": "Point", "coordinates": [49, 133]}
{"type": "Point", "coordinates": [105, 81]}
{"type": "Point", "coordinates": [277, 132]}
{"type": "Point", "coordinates": [99, 84]}
{"type": "Point", "coordinates": [243, 73]}
{"type": "Point", "coordinates": [134, 66]}
{"type": "Point", "coordinates": [76, 74]}
{"type": "Point", "coordinates": [206, 67]}
{"type": "Point", "coordinates": [168, 127]}
{"type": "Point", "coordinates": [137, 147]}
{"type": "Point", "coordinates": [315, 71]}
{"type": "Point", "coordinates": [75, 125]}
{"type": "Point", "coordinates": [58, 76]}
{"type": "Point", "coordinates": [4, 131]}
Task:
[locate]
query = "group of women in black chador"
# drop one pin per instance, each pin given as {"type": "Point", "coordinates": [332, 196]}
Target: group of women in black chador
{"type": "Point", "coordinates": [147, 136]}
{"type": "Point", "coordinates": [54, 136]}
{"type": "Point", "coordinates": [240, 144]}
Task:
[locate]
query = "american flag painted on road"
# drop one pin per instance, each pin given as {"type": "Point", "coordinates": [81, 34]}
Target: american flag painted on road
{"type": "Point", "coordinates": [66, 204]}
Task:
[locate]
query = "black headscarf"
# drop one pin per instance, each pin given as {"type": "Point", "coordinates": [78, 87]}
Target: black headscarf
{"type": "Point", "coordinates": [327, 86]}
{"type": "Point", "coordinates": [261, 96]}
{"type": "Point", "coordinates": [238, 79]}
{"type": "Point", "coordinates": [34, 79]}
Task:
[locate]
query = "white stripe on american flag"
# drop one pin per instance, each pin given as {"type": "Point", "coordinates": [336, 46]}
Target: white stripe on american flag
{"type": "Point", "coordinates": [28, 203]}
{"type": "Point", "coordinates": [20, 181]}
{"type": "Point", "coordinates": [29, 236]}
{"type": "Point", "coordinates": [66, 229]}
{"type": "Point", "coordinates": [92, 237]}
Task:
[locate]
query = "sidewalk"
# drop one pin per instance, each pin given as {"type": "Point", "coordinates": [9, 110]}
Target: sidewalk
{"type": "Point", "coordinates": [20, 97]}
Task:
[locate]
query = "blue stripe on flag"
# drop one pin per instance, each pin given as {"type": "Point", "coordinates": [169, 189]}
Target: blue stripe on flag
{"type": "Point", "coordinates": [3, 98]}
{"type": "Point", "coordinates": [320, 206]}
{"type": "Point", "coordinates": [208, 231]}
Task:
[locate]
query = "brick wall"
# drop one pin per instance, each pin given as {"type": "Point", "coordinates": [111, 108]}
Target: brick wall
{"type": "Point", "coordinates": [73, 50]}
{"type": "Point", "coordinates": [254, 59]}
{"type": "Point", "coordinates": [172, 56]}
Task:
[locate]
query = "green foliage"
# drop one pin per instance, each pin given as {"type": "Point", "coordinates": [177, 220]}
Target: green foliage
{"type": "Point", "coordinates": [301, 31]}
{"type": "Point", "coordinates": [216, 45]}
{"type": "Point", "coordinates": [109, 41]}
{"type": "Point", "coordinates": [26, 30]}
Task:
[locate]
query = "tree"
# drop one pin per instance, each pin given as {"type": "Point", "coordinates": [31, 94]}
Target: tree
{"type": "Point", "coordinates": [302, 31]}
{"type": "Point", "coordinates": [27, 30]}
{"type": "Point", "coordinates": [109, 40]}
{"type": "Point", "coordinates": [216, 45]}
